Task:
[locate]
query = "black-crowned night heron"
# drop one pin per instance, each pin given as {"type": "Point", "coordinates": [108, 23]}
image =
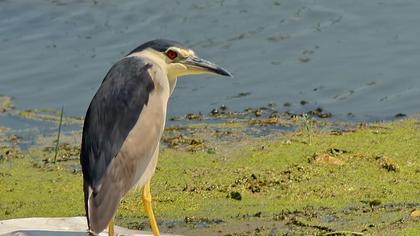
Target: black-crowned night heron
{"type": "Point", "coordinates": [124, 125]}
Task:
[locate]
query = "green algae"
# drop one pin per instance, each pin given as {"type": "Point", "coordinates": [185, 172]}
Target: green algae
{"type": "Point", "coordinates": [276, 184]}
{"type": "Point", "coordinates": [49, 115]}
{"type": "Point", "coordinates": [5, 103]}
{"type": "Point", "coordinates": [30, 191]}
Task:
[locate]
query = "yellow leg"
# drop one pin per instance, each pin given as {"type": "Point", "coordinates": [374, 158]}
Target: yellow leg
{"type": "Point", "coordinates": [111, 228]}
{"type": "Point", "coordinates": [147, 202]}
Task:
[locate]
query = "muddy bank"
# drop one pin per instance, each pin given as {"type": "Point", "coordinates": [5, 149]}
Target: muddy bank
{"type": "Point", "coordinates": [240, 176]}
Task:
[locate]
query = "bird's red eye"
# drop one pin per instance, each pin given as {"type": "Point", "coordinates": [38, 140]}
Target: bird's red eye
{"type": "Point", "coordinates": [171, 54]}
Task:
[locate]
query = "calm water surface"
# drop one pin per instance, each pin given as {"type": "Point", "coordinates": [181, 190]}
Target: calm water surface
{"type": "Point", "coordinates": [353, 56]}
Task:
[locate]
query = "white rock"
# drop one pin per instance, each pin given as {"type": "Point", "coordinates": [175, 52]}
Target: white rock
{"type": "Point", "coordinates": [61, 226]}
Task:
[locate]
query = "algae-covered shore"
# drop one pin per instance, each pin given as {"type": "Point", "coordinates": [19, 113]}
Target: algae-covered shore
{"type": "Point", "coordinates": [253, 176]}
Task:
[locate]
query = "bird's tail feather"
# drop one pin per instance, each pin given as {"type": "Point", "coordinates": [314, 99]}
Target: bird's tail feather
{"type": "Point", "coordinates": [86, 198]}
{"type": "Point", "coordinates": [102, 204]}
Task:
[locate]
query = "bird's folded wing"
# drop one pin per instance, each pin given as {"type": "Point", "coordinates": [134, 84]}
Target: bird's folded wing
{"type": "Point", "coordinates": [111, 115]}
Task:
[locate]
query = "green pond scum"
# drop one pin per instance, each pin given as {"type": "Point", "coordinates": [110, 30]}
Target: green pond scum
{"type": "Point", "coordinates": [5, 103]}
{"type": "Point", "coordinates": [320, 178]}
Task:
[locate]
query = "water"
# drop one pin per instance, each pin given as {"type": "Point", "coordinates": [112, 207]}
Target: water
{"type": "Point", "coordinates": [345, 56]}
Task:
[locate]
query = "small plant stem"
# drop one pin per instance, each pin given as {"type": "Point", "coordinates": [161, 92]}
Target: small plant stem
{"type": "Point", "coordinates": [58, 135]}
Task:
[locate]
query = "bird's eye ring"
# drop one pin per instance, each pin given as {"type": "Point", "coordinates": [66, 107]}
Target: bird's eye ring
{"type": "Point", "coordinates": [171, 54]}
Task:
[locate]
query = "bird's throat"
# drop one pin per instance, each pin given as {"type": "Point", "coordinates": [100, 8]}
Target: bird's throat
{"type": "Point", "coordinates": [172, 83]}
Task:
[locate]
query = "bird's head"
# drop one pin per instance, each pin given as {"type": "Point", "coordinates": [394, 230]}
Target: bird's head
{"type": "Point", "coordinates": [178, 59]}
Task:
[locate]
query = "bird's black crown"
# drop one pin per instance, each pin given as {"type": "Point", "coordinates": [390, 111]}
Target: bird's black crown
{"type": "Point", "coordinates": [160, 45]}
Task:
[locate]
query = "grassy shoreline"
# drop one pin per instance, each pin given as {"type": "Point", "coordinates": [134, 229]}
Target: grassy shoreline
{"type": "Point", "coordinates": [220, 179]}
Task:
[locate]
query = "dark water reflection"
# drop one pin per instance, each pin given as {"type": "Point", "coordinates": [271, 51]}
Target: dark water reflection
{"type": "Point", "coordinates": [345, 56]}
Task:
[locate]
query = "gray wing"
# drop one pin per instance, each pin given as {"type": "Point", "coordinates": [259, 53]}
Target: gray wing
{"type": "Point", "coordinates": [112, 113]}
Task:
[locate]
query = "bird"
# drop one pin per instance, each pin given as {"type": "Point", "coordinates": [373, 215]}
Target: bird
{"type": "Point", "coordinates": [124, 124]}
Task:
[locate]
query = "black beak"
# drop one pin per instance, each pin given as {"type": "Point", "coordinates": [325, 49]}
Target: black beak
{"type": "Point", "coordinates": [199, 63]}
